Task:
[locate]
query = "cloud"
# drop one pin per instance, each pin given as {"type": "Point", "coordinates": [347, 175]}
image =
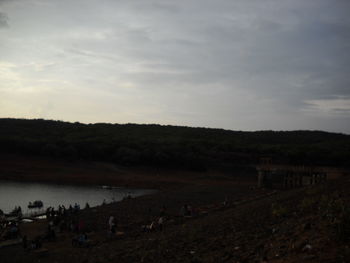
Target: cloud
{"type": "Point", "coordinates": [231, 64]}
{"type": "Point", "coordinates": [332, 106]}
{"type": "Point", "coordinates": [3, 20]}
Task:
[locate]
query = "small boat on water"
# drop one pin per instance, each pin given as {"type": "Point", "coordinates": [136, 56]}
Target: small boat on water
{"type": "Point", "coordinates": [36, 204]}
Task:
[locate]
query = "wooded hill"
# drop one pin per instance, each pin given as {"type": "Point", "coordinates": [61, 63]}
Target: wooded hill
{"type": "Point", "coordinates": [171, 146]}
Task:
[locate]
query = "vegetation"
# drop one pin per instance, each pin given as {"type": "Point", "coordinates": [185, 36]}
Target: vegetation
{"type": "Point", "coordinates": [171, 146]}
{"type": "Point", "coordinates": [278, 210]}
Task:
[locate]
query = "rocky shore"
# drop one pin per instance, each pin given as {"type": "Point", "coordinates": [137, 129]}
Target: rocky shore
{"type": "Point", "coordinates": [231, 221]}
{"type": "Point", "coordinates": [302, 225]}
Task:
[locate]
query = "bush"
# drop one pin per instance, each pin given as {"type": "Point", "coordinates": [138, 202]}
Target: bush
{"type": "Point", "coordinates": [307, 203]}
{"type": "Point", "coordinates": [279, 210]}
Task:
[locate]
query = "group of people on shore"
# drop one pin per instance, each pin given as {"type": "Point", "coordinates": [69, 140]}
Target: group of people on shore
{"type": "Point", "coordinates": [71, 220]}
{"type": "Point", "coordinates": [155, 225]}
{"type": "Point", "coordinates": [9, 230]}
{"type": "Point", "coordinates": [58, 221]}
{"type": "Point", "coordinates": [63, 211]}
{"type": "Point", "coordinates": [17, 211]}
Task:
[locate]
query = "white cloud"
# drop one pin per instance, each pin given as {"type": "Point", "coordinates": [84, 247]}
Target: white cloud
{"type": "Point", "coordinates": [335, 106]}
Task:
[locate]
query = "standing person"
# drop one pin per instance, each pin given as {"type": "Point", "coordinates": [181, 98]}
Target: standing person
{"type": "Point", "coordinates": [48, 214]}
{"type": "Point", "coordinates": [152, 227]}
{"type": "Point", "coordinates": [76, 207]}
{"type": "Point", "coordinates": [225, 203]}
{"type": "Point", "coordinates": [160, 223]}
{"type": "Point", "coordinates": [81, 225]}
{"type": "Point", "coordinates": [111, 226]}
{"type": "Point", "coordinates": [163, 211]}
{"type": "Point", "coordinates": [25, 242]}
{"type": "Point", "coordinates": [111, 222]}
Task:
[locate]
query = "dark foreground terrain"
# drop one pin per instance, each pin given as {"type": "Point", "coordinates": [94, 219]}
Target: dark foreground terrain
{"type": "Point", "coordinates": [310, 224]}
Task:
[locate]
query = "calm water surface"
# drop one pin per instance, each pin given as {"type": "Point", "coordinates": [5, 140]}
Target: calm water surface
{"type": "Point", "coordinates": [21, 193]}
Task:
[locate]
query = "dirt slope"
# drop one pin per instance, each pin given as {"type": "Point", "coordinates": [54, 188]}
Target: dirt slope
{"type": "Point", "coordinates": [302, 225]}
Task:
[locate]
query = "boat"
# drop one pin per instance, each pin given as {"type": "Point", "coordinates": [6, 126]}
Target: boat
{"type": "Point", "coordinates": [36, 204]}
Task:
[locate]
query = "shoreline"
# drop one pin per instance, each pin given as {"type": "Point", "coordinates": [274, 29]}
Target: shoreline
{"type": "Point", "coordinates": [245, 230]}
{"type": "Point", "coordinates": [52, 171]}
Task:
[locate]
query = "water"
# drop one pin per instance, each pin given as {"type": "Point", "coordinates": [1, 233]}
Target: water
{"type": "Point", "coordinates": [21, 193]}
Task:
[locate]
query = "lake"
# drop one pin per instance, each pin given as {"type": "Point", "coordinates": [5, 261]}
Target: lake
{"type": "Point", "coordinates": [21, 193]}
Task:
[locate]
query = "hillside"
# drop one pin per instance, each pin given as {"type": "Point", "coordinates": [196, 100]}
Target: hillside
{"type": "Point", "coordinates": [177, 147]}
{"type": "Point", "coordinates": [231, 220]}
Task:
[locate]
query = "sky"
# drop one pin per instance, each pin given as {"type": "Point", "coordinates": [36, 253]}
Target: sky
{"type": "Point", "coordinates": [232, 64]}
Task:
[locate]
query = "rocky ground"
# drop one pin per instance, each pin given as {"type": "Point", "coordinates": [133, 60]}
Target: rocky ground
{"type": "Point", "coordinates": [302, 225]}
{"type": "Point", "coordinates": [310, 224]}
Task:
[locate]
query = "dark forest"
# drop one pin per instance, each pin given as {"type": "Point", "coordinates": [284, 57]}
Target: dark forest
{"type": "Point", "coordinates": [173, 147]}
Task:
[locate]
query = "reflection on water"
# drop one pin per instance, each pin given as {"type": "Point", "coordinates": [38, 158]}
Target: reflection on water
{"type": "Point", "coordinates": [21, 193]}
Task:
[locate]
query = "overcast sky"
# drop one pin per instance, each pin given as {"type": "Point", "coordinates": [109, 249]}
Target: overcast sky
{"type": "Point", "coordinates": [233, 64]}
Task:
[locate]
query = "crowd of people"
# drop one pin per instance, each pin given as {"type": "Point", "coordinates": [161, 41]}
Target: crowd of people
{"type": "Point", "coordinates": [9, 228]}
{"type": "Point", "coordinates": [58, 220]}
{"type": "Point", "coordinates": [70, 220]}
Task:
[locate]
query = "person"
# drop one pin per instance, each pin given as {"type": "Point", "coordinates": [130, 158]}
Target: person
{"type": "Point", "coordinates": [162, 211]}
{"type": "Point", "coordinates": [36, 243]}
{"type": "Point", "coordinates": [14, 230]}
{"type": "Point", "coordinates": [149, 228]}
{"type": "Point", "coordinates": [24, 242]}
{"type": "Point", "coordinates": [52, 212]}
{"type": "Point", "coordinates": [51, 234]}
{"type": "Point", "coordinates": [111, 222]}
{"type": "Point", "coordinates": [75, 241]}
{"type": "Point", "coordinates": [62, 225]}
{"type": "Point", "coordinates": [76, 207]}
{"type": "Point", "coordinates": [160, 223]}
{"type": "Point", "coordinates": [19, 212]}
{"type": "Point", "coordinates": [2, 217]}
{"type": "Point", "coordinates": [59, 210]}
{"type": "Point", "coordinates": [225, 203]}
{"type": "Point", "coordinates": [48, 213]}
{"type": "Point", "coordinates": [185, 210]}
{"type": "Point", "coordinates": [113, 230]}
{"type": "Point", "coordinates": [82, 240]}
{"type": "Point", "coordinates": [152, 226]}
{"type": "Point", "coordinates": [111, 226]}
{"type": "Point", "coordinates": [190, 210]}
{"type": "Point", "coordinates": [72, 226]}
{"type": "Point", "coordinates": [81, 225]}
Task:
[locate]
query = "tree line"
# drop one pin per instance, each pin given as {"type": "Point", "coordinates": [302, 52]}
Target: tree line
{"type": "Point", "coordinates": [171, 146]}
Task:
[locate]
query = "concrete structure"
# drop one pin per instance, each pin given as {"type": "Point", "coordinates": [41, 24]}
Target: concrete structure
{"type": "Point", "coordinates": [286, 177]}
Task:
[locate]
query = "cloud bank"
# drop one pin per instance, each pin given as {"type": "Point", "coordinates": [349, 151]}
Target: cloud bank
{"type": "Point", "coordinates": [243, 65]}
